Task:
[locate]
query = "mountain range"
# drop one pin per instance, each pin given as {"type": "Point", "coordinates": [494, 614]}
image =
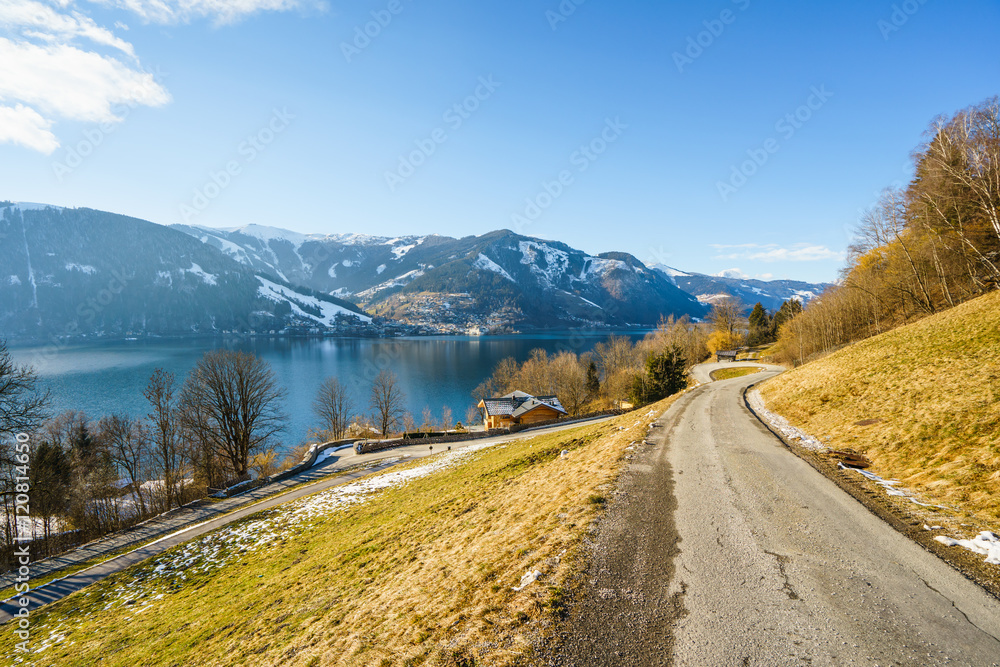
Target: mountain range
{"type": "Point", "coordinates": [72, 272]}
{"type": "Point", "coordinates": [769, 293]}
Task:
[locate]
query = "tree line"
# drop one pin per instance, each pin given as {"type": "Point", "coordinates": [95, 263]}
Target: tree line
{"type": "Point", "coordinates": [919, 249]}
{"type": "Point", "coordinates": [615, 372]}
{"type": "Point", "coordinates": [89, 477]}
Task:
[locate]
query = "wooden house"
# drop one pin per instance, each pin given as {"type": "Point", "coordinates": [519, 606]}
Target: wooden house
{"type": "Point", "coordinates": [520, 408]}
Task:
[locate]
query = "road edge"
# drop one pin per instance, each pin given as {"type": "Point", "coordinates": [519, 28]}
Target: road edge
{"type": "Point", "coordinates": [895, 514]}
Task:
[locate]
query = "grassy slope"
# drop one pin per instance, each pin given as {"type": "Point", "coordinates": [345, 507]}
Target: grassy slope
{"type": "Point", "coordinates": [421, 574]}
{"type": "Point", "coordinates": [934, 386]}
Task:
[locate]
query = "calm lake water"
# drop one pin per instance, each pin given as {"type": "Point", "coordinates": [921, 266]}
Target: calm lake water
{"type": "Point", "coordinates": [106, 378]}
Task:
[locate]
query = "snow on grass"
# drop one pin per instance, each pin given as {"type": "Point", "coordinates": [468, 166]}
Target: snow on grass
{"type": "Point", "coordinates": [486, 264]}
{"type": "Point", "coordinates": [82, 268]}
{"type": "Point", "coordinates": [138, 589]}
{"type": "Point", "coordinates": [330, 311]}
{"type": "Point", "coordinates": [986, 543]}
{"type": "Point", "coordinates": [781, 424]}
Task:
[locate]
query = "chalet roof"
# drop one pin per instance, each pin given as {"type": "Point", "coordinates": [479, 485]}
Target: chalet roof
{"type": "Point", "coordinates": [518, 403]}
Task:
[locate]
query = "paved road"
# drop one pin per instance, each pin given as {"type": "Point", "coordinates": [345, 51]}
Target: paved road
{"type": "Point", "coordinates": [186, 525]}
{"type": "Point", "coordinates": [727, 549]}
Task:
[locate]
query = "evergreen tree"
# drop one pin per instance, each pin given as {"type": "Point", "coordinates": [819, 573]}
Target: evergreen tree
{"type": "Point", "coordinates": [664, 377]}
{"type": "Point", "coordinates": [593, 381]}
{"type": "Point", "coordinates": [760, 325]}
{"type": "Point", "coordinates": [51, 476]}
{"type": "Point", "coordinates": [788, 310]}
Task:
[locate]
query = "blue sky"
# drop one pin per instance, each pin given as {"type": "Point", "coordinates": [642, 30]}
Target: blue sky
{"type": "Point", "coordinates": [666, 122]}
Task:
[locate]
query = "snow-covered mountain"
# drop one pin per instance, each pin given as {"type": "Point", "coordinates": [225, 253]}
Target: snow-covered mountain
{"type": "Point", "coordinates": [500, 277]}
{"type": "Point", "coordinates": [770, 293]}
{"type": "Point", "coordinates": [70, 272]}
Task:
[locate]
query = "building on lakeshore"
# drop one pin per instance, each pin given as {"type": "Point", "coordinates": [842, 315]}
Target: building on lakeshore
{"type": "Point", "coordinates": [518, 407]}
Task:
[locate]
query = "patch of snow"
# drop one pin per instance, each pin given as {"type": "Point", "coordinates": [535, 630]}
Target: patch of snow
{"type": "Point", "coordinates": [268, 234]}
{"type": "Point", "coordinates": [530, 577]}
{"type": "Point", "coordinates": [13, 280]}
{"type": "Point", "coordinates": [333, 271]}
{"type": "Point", "coordinates": [206, 278]}
{"type": "Point", "coordinates": [398, 281]}
{"type": "Point", "coordinates": [595, 266]}
{"type": "Point", "coordinates": [82, 268]}
{"type": "Point", "coordinates": [556, 261]}
{"type": "Point", "coordinates": [484, 263]}
{"type": "Point", "coordinates": [712, 298]}
{"type": "Point", "coordinates": [330, 311]}
{"type": "Point", "coordinates": [142, 587]}
{"type": "Point", "coordinates": [400, 252]}
{"type": "Point", "coordinates": [380, 269]}
{"type": "Point", "coordinates": [986, 543]}
{"type": "Point", "coordinates": [32, 206]}
{"type": "Point", "coordinates": [348, 263]}
{"type": "Point", "coordinates": [781, 424]}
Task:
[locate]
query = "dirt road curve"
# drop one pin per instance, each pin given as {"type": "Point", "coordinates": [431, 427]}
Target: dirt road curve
{"type": "Point", "coordinates": [724, 548]}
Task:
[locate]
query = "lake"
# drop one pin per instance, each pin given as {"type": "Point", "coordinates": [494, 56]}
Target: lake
{"type": "Point", "coordinates": [106, 378]}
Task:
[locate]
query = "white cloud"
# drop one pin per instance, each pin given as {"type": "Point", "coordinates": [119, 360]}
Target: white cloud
{"type": "Point", "coordinates": [220, 11]}
{"type": "Point", "coordinates": [68, 82]}
{"type": "Point", "coordinates": [38, 20]}
{"type": "Point", "coordinates": [732, 273]}
{"type": "Point", "coordinates": [24, 126]}
{"type": "Point", "coordinates": [772, 252]}
{"type": "Point", "coordinates": [57, 63]}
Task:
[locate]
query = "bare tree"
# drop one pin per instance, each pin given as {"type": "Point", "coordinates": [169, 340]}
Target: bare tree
{"type": "Point", "coordinates": [231, 401]}
{"type": "Point", "coordinates": [473, 416]}
{"type": "Point", "coordinates": [127, 441]}
{"type": "Point", "coordinates": [386, 401]}
{"type": "Point", "coordinates": [22, 404]}
{"type": "Point", "coordinates": [167, 449]}
{"type": "Point", "coordinates": [570, 379]}
{"type": "Point", "coordinates": [428, 417]}
{"type": "Point", "coordinates": [446, 419]}
{"type": "Point", "coordinates": [334, 407]}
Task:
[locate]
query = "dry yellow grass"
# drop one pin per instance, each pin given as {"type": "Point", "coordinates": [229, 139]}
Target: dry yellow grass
{"type": "Point", "coordinates": [417, 575]}
{"type": "Point", "coordinates": [934, 389]}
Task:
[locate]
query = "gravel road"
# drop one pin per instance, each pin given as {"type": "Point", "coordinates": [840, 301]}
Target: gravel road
{"type": "Point", "coordinates": [724, 548]}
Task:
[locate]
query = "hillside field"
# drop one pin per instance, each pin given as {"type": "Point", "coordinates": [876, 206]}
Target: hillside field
{"type": "Point", "coordinates": [922, 402]}
{"type": "Point", "coordinates": [413, 566]}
